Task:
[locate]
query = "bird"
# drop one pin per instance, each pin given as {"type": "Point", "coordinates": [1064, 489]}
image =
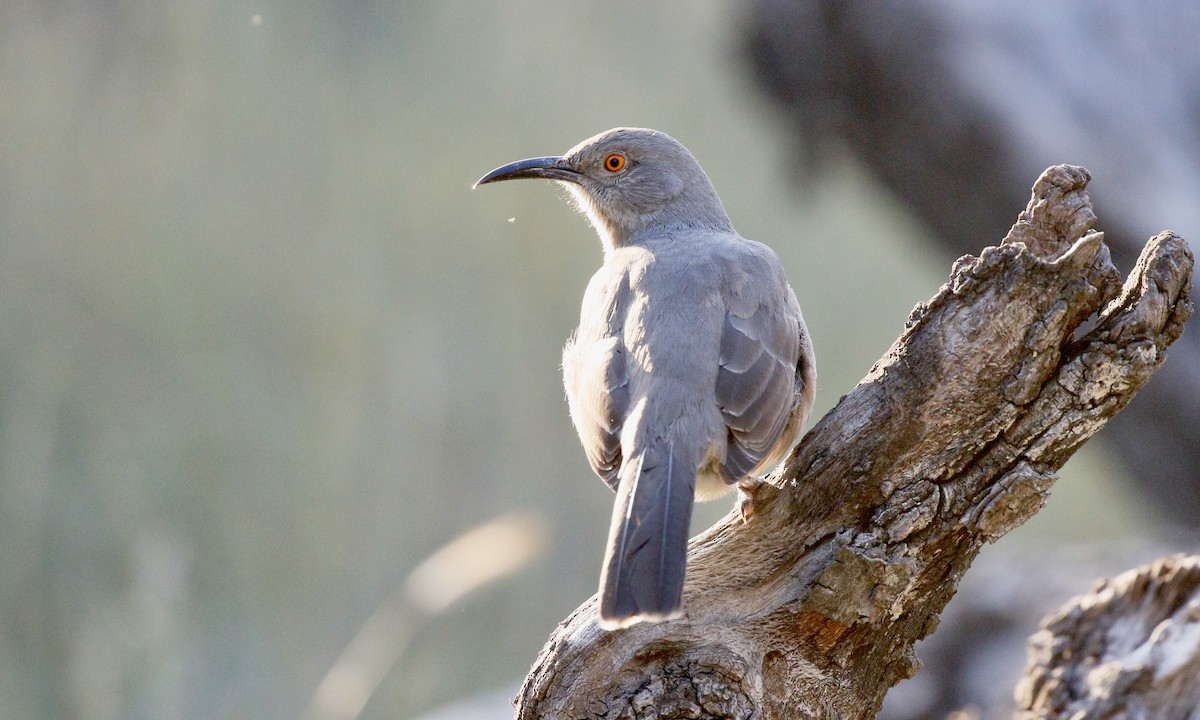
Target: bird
{"type": "Point", "coordinates": [691, 370]}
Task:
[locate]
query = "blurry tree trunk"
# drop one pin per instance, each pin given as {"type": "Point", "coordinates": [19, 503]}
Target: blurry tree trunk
{"type": "Point", "coordinates": [811, 608]}
{"type": "Point", "coordinates": [1130, 648]}
{"type": "Point", "coordinates": [932, 93]}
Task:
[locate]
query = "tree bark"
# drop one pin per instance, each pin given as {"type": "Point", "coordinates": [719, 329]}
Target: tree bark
{"type": "Point", "coordinates": [1130, 648]}
{"type": "Point", "coordinates": [811, 608]}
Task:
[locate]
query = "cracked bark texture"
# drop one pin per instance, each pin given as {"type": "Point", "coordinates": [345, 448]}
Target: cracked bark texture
{"type": "Point", "coordinates": [858, 540]}
{"type": "Point", "coordinates": [1129, 648]}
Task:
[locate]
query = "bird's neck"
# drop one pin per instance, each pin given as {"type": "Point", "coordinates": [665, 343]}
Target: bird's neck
{"type": "Point", "coordinates": [682, 216]}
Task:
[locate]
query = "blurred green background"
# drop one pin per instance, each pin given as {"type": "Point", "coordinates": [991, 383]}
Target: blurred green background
{"type": "Point", "coordinates": [263, 350]}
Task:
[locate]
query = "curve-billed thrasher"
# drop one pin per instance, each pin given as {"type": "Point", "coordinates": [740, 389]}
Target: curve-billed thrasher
{"type": "Point", "coordinates": [691, 369]}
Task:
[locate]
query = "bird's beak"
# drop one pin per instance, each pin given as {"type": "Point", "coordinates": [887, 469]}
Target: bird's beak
{"type": "Point", "coordinates": [550, 168]}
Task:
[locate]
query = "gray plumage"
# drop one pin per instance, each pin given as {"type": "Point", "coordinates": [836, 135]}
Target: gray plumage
{"type": "Point", "coordinates": [691, 369]}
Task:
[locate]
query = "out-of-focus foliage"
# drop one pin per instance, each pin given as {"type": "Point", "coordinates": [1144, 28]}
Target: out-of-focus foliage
{"type": "Point", "coordinates": [262, 349]}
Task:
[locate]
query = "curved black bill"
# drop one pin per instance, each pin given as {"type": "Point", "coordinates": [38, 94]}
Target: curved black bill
{"type": "Point", "coordinates": [550, 168]}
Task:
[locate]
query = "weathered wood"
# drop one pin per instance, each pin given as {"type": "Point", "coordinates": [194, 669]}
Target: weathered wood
{"type": "Point", "coordinates": [811, 609]}
{"type": "Point", "coordinates": [1130, 648]}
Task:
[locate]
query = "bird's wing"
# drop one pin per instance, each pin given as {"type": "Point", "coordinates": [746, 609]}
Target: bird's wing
{"type": "Point", "coordinates": [762, 373]}
{"type": "Point", "coordinates": [597, 381]}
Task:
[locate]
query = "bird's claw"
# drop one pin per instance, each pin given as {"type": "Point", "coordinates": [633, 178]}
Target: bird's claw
{"type": "Point", "coordinates": [745, 499]}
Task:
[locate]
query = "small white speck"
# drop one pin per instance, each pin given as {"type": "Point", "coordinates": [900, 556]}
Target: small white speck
{"type": "Point", "coordinates": [512, 219]}
{"type": "Point", "coordinates": [256, 20]}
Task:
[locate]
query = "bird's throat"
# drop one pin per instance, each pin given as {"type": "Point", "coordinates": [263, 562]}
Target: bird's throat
{"type": "Point", "coordinates": [611, 234]}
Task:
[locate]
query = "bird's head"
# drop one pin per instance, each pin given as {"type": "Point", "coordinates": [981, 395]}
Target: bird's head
{"type": "Point", "coordinates": [631, 183]}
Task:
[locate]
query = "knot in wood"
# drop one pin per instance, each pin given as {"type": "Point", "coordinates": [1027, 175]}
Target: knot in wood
{"type": "Point", "coordinates": [670, 681]}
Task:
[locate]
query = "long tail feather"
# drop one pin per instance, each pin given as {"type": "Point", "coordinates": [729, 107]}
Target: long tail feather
{"type": "Point", "coordinates": [647, 545]}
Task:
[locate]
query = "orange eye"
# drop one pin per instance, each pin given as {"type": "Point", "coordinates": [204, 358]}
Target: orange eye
{"type": "Point", "coordinates": [614, 162]}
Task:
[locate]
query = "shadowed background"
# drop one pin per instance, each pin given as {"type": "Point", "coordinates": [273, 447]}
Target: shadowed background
{"type": "Point", "coordinates": [263, 351]}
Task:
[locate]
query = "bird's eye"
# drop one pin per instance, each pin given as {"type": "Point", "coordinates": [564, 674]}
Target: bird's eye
{"type": "Point", "coordinates": [614, 162]}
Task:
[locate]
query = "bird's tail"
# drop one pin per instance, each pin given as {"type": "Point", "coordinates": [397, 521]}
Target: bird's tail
{"type": "Point", "coordinates": [644, 565]}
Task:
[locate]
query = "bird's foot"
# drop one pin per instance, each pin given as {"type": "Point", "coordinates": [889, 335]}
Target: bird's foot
{"type": "Point", "coordinates": [745, 499]}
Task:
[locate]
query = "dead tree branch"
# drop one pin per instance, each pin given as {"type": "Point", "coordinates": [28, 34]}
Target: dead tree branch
{"type": "Point", "coordinates": [857, 542]}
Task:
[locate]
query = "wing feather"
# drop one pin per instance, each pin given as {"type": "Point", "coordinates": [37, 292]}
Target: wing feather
{"type": "Point", "coordinates": [595, 373]}
{"type": "Point", "coordinates": [757, 384]}
{"type": "Point", "coordinates": [597, 385]}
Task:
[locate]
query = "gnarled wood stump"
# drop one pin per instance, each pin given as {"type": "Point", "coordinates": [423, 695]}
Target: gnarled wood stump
{"type": "Point", "coordinates": [1130, 648]}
